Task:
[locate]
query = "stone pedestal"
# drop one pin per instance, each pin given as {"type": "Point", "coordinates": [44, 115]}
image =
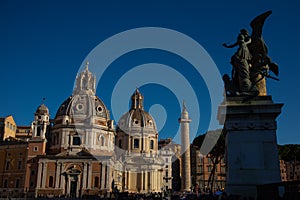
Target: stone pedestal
{"type": "Point", "coordinates": [251, 144]}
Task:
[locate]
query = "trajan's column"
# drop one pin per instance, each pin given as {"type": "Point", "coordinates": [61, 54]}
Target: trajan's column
{"type": "Point", "coordinates": [185, 149]}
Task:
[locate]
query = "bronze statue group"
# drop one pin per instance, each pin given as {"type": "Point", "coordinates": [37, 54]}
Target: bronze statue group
{"type": "Point", "coordinates": [250, 63]}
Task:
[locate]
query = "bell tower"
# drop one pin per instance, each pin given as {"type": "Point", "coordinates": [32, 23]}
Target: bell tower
{"type": "Point", "coordinates": [41, 122]}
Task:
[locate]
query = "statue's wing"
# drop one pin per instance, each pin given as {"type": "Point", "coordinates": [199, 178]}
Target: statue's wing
{"type": "Point", "coordinates": [257, 24]}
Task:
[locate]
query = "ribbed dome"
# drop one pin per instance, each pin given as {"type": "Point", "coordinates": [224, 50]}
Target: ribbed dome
{"type": "Point", "coordinates": [83, 105]}
{"type": "Point", "coordinates": [137, 117]}
{"type": "Point", "coordinates": [42, 109]}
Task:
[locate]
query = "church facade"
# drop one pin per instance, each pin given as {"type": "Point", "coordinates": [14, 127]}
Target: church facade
{"type": "Point", "coordinates": [80, 152]}
{"type": "Point", "coordinates": [80, 145]}
{"type": "Point", "coordinates": [137, 139]}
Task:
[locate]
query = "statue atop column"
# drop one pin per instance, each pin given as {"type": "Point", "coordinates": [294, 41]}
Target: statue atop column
{"type": "Point", "coordinates": [251, 63]}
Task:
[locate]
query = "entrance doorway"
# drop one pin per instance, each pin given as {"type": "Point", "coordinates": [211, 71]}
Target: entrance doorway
{"type": "Point", "coordinates": [73, 188]}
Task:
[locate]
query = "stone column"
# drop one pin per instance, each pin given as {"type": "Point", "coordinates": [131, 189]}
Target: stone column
{"type": "Point", "coordinates": [57, 177]}
{"type": "Point", "coordinates": [62, 179]}
{"type": "Point", "coordinates": [84, 176]}
{"type": "Point", "coordinates": [109, 145]}
{"type": "Point", "coordinates": [129, 143]}
{"type": "Point", "coordinates": [67, 139]}
{"type": "Point", "coordinates": [78, 185]}
{"type": "Point", "coordinates": [71, 141]}
{"type": "Point", "coordinates": [146, 181]}
{"type": "Point", "coordinates": [108, 179]}
{"type": "Point", "coordinates": [68, 186]}
{"type": "Point", "coordinates": [62, 138]}
{"type": "Point", "coordinates": [90, 178]}
{"type": "Point", "coordinates": [44, 175]}
{"type": "Point", "coordinates": [87, 139]}
{"type": "Point", "coordinates": [102, 176]}
{"type": "Point", "coordinates": [152, 180]}
{"type": "Point", "coordinates": [251, 144]}
{"type": "Point", "coordinates": [185, 150]}
{"type": "Point", "coordinates": [39, 177]}
{"type": "Point", "coordinates": [142, 181]}
{"type": "Point", "coordinates": [159, 180]}
{"type": "Point", "coordinates": [128, 180]}
{"type": "Point", "coordinates": [93, 142]}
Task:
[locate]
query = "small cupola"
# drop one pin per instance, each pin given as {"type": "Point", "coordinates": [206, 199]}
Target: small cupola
{"type": "Point", "coordinates": [137, 100]}
{"type": "Point", "coordinates": [42, 110]}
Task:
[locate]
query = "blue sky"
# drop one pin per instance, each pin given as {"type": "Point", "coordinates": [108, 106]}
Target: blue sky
{"type": "Point", "coordinates": [44, 43]}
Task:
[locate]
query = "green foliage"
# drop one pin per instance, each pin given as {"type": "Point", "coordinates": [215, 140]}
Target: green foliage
{"type": "Point", "coordinates": [219, 149]}
{"type": "Point", "coordinates": [217, 152]}
{"type": "Point", "coordinates": [199, 140]}
{"type": "Point", "coordinates": [289, 152]}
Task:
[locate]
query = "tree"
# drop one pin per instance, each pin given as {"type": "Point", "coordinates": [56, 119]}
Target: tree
{"type": "Point", "coordinates": [289, 152]}
{"type": "Point", "coordinates": [216, 154]}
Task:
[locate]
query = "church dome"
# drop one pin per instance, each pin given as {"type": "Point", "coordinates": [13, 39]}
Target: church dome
{"type": "Point", "coordinates": [42, 110]}
{"type": "Point", "coordinates": [83, 104]}
{"type": "Point", "coordinates": [137, 117]}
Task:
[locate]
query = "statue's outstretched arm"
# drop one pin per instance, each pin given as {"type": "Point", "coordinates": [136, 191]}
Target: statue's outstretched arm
{"type": "Point", "coordinates": [248, 41]}
{"type": "Point", "coordinates": [230, 46]}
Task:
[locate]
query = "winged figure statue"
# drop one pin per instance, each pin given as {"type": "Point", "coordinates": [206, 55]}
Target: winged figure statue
{"type": "Point", "coordinates": [251, 63]}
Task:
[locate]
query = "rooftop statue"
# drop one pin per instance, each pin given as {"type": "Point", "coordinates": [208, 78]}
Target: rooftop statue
{"type": "Point", "coordinates": [250, 63]}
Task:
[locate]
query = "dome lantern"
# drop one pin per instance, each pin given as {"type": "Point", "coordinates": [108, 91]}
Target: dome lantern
{"type": "Point", "coordinates": [85, 82]}
{"type": "Point", "coordinates": [137, 100]}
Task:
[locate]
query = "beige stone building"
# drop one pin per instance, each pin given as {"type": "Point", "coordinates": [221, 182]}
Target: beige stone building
{"type": "Point", "coordinates": [283, 171]}
{"type": "Point", "coordinates": [146, 169]}
{"type": "Point", "coordinates": [80, 152]}
{"type": "Point", "coordinates": [24, 133]}
{"type": "Point", "coordinates": [80, 155]}
{"type": "Point", "coordinates": [12, 170]}
{"type": "Point", "coordinates": [172, 178]}
{"type": "Point", "coordinates": [18, 166]}
{"type": "Point", "coordinates": [8, 127]}
{"type": "Point", "coordinates": [292, 170]}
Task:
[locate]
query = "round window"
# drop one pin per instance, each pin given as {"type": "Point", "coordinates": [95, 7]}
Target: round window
{"type": "Point", "coordinates": [99, 109]}
{"type": "Point", "coordinates": [79, 107]}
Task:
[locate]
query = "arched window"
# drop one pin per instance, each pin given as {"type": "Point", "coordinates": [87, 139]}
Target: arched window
{"type": "Point", "coordinates": [151, 144]}
{"type": "Point", "coordinates": [101, 140]}
{"type": "Point", "coordinates": [76, 140]}
{"type": "Point", "coordinates": [50, 181]}
{"type": "Point", "coordinates": [136, 143]}
{"type": "Point", "coordinates": [96, 181]}
{"type": "Point", "coordinates": [120, 143]}
{"type": "Point", "coordinates": [38, 131]}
